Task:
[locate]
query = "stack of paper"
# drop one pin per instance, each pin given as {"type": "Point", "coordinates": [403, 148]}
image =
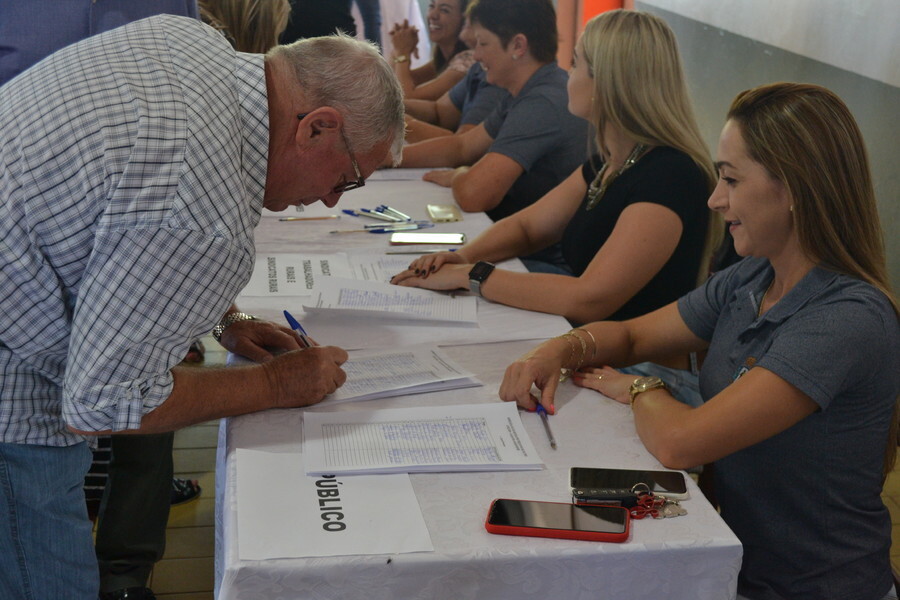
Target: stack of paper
{"type": "Point", "coordinates": [382, 300]}
{"type": "Point", "coordinates": [298, 274]}
{"type": "Point", "coordinates": [471, 437]}
{"type": "Point", "coordinates": [375, 374]}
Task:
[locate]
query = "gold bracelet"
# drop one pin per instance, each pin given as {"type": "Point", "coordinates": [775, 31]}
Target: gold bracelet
{"type": "Point", "coordinates": [593, 342]}
{"type": "Point", "coordinates": [583, 348]}
{"type": "Point", "coordinates": [572, 347]}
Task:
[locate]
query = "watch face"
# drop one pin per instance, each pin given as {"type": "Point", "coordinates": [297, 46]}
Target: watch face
{"type": "Point", "coordinates": [643, 384]}
{"type": "Point", "coordinates": [480, 271]}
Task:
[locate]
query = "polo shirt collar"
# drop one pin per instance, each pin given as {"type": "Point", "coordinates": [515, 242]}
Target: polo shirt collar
{"type": "Point", "coordinates": [809, 287]}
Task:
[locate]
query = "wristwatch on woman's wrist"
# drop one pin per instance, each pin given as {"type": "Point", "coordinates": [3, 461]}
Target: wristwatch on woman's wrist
{"type": "Point", "coordinates": [478, 274]}
{"type": "Point", "coordinates": [645, 384]}
{"type": "Point", "coordinates": [230, 319]}
{"type": "Point", "coordinates": [401, 59]}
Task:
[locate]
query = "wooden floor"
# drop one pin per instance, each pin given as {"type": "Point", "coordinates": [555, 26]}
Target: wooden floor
{"type": "Point", "coordinates": [186, 571]}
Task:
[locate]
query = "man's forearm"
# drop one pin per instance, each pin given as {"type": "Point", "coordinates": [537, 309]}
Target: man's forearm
{"type": "Point", "coordinates": [204, 394]}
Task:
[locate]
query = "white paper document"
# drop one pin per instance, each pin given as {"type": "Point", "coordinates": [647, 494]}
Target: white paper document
{"type": "Point", "coordinates": [375, 374]}
{"type": "Point", "coordinates": [282, 513]}
{"type": "Point", "coordinates": [376, 299]}
{"type": "Point", "coordinates": [468, 437]}
{"type": "Point", "coordinates": [294, 274]}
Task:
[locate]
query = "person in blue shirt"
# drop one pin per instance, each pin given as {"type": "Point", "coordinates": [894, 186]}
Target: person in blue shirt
{"type": "Point", "coordinates": [530, 142]}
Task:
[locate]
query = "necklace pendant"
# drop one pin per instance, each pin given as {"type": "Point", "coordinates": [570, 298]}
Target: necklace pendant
{"type": "Point", "coordinates": [598, 187]}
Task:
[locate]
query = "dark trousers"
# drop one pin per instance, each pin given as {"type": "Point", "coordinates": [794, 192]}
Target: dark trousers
{"type": "Point", "coordinates": [131, 524]}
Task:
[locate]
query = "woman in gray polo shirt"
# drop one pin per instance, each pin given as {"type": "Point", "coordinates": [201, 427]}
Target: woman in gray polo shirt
{"type": "Point", "coordinates": [801, 379]}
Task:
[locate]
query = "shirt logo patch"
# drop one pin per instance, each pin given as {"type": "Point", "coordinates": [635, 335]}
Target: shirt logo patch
{"type": "Point", "coordinates": [749, 362]}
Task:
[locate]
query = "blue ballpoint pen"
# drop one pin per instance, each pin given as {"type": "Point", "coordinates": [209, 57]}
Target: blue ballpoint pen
{"type": "Point", "coordinates": [543, 412]}
{"type": "Point", "coordinates": [384, 208]}
{"type": "Point", "coordinates": [296, 326]}
{"type": "Point", "coordinates": [388, 228]}
{"type": "Point", "coordinates": [379, 215]}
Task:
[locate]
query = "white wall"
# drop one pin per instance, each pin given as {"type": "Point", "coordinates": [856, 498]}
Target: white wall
{"type": "Point", "coordinates": [861, 36]}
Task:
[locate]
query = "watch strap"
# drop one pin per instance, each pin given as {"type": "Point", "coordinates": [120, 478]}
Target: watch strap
{"type": "Point", "coordinates": [227, 321]}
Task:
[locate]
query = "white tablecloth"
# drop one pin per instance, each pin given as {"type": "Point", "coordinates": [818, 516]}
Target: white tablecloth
{"type": "Point", "coordinates": [694, 557]}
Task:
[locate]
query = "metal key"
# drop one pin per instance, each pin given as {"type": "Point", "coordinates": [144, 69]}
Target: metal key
{"type": "Point", "coordinates": [672, 509]}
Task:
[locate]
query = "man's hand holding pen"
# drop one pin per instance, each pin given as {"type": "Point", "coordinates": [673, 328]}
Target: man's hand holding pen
{"type": "Point", "coordinates": [307, 376]}
{"type": "Point", "coordinates": [299, 371]}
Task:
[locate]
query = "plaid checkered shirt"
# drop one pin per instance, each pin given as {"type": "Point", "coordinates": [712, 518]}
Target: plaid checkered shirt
{"type": "Point", "coordinates": [132, 168]}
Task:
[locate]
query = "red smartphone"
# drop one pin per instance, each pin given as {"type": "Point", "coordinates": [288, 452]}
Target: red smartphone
{"type": "Point", "coordinates": [558, 520]}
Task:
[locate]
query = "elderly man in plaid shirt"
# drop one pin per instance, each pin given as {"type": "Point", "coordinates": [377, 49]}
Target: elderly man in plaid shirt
{"type": "Point", "coordinates": [133, 168]}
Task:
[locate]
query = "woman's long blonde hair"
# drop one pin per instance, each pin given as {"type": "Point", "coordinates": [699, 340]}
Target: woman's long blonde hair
{"type": "Point", "coordinates": [806, 138]}
{"type": "Point", "coordinates": [250, 25]}
{"type": "Point", "coordinates": [639, 87]}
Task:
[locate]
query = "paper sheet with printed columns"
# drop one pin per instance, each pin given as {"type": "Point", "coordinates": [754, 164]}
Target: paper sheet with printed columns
{"type": "Point", "coordinates": [425, 439]}
{"type": "Point", "coordinates": [283, 513]}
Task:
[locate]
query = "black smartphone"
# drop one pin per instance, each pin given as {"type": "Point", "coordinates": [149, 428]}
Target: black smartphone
{"type": "Point", "coordinates": [615, 485]}
{"type": "Point", "coordinates": [558, 520]}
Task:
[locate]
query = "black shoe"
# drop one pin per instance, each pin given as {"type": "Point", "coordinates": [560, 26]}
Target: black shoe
{"type": "Point", "coordinates": [184, 490]}
{"type": "Point", "coordinates": [132, 593]}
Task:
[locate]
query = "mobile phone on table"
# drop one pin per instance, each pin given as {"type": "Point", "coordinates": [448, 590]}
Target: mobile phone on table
{"type": "Point", "coordinates": [558, 520]}
{"type": "Point", "coordinates": [418, 237]}
{"type": "Point", "coordinates": [615, 486]}
{"type": "Point", "coordinates": [443, 213]}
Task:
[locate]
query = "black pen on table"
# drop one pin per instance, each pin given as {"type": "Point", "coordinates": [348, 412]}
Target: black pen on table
{"type": "Point", "coordinates": [546, 421]}
{"type": "Point", "coordinates": [296, 326]}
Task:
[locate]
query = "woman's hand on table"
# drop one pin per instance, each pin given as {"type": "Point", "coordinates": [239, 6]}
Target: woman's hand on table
{"type": "Point", "coordinates": [539, 368]}
{"type": "Point", "coordinates": [427, 264]}
{"type": "Point", "coordinates": [446, 277]}
{"type": "Point", "coordinates": [607, 381]}
{"type": "Point", "coordinates": [307, 376]}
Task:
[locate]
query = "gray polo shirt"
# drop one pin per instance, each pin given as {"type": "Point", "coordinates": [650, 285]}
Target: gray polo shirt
{"type": "Point", "coordinates": [806, 503]}
{"type": "Point", "coordinates": [536, 129]}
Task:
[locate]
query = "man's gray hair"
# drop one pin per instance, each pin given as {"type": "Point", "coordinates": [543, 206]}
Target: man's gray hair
{"type": "Point", "coordinates": [352, 77]}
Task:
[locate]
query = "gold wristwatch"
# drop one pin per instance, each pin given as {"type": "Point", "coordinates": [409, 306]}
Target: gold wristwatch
{"type": "Point", "coordinates": [401, 58]}
{"type": "Point", "coordinates": [645, 384]}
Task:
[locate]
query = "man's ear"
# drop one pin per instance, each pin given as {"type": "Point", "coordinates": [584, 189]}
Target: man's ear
{"type": "Point", "coordinates": [323, 120]}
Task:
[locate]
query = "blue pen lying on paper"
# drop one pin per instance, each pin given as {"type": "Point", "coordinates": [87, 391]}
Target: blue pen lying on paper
{"type": "Point", "coordinates": [387, 228]}
{"type": "Point", "coordinates": [545, 420]}
{"type": "Point", "coordinates": [296, 326]}
{"type": "Point", "coordinates": [399, 225]}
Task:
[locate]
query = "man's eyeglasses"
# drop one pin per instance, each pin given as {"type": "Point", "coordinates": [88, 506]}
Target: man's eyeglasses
{"type": "Point", "coordinates": [347, 185]}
